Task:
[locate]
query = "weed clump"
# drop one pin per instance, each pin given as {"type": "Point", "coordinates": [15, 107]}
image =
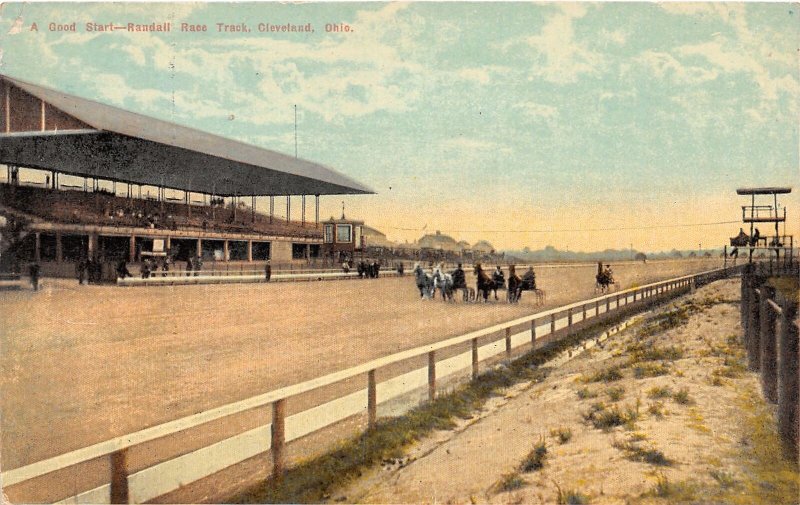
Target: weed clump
{"type": "Point", "coordinates": [570, 497]}
{"type": "Point", "coordinates": [604, 418]}
{"type": "Point", "coordinates": [650, 455]}
{"type": "Point", "coordinates": [650, 370]}
{"type": "Point", "coordinates": [682, 397]}
{"type": "Point", "coordinates": [563, 435]}
{"type": "Point", "coordinates": [615, 394]}
{"type": "Point", "coordinates": [608, 375]}
{"type": "Point", "coordinates": [658, 392]}
{"type": "Point", "coordinates": [585, 393]}
{"type": "Point", "coordinates": [674, 491]}
{"type": "Point", "coordinates": [535, 459]}
{"type": "Point", "coordinates": [510, 482]}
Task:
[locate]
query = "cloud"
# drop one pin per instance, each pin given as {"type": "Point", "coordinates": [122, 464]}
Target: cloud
{"type": "Point", "coordinates": [664, 65]}
{"type": "Point", "coordinates": [560, 58]}
{"type": "Point", "coordinates": [736, 60]}
{"type": "Point", "coordinates": [474, 145]}
{"type": "Point", "coordinates": [537, 110]}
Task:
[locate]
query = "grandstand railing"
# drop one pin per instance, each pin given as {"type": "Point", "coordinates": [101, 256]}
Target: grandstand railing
{"type": "Point", "coordinates": [164, 477]}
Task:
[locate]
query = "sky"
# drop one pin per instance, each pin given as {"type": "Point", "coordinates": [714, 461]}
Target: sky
{"type": "Point", "coordinates": [583, 126]}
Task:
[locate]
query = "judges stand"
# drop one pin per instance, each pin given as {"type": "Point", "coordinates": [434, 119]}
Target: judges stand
{"type": "Point", "coordinates": [764, 209]}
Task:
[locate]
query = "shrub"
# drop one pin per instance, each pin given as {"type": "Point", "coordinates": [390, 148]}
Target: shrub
{"type": "Point", "coordinates": [586, 393]}
{"type": "Point", "coordinates": [682, 397]}
{"type": "Point", "coordinates": [615, 394]}
{"type": "Point", "coordinates": [535, 459]}
{"type": "Point", "coordinates": [511, 481]}
{"type": "Point", "coordinates": [650, 370]}
{"type": "Point", "coordinates": [608, 375]}
{"type": "Point", "coordinates": [659, 392]}
{"type": "Point", "coordinates": [563, 435]}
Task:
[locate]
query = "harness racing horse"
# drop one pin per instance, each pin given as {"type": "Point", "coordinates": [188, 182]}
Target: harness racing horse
{"type": "Point", "coordinates": [604, 282]}
{"type": "Point", "coordinates": [424, 282]}
{"type": "Point", "coordinates": [444, 282]}
{"type": "Point", "coordinates": [485, 283]}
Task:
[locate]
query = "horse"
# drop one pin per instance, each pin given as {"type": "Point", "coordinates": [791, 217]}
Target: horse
{"type": "Point", "coordinates": [424, 282]}
{"type": "Point", "coordinates": [484, 284]}
{"type": "Point", "coordinates": [444, 282]}
{"type": "Point", "coordinates": [604, 282]}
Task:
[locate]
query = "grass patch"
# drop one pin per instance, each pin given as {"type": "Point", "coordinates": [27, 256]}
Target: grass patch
{"type": "Point", "coordinates": [563, 435]}
{"type": "Point", "coordinates": [723, 478]}
{"type": "Point", "coordinates": [657, 410]}
{"type": "Point", "coordinates": [510, 482]}
{"type": "Point", "coordinates": [659, 392]}
{"type": "Point", "coordinates": [604, 418]}
{"type": "Point", "coordinates": [673, 491]}
{"type": "Point", "coordinates": [615, 394]}
{"type": "Point", "coordinates": [682, 397]}
{"type": "Point", "coordinates": [611, 374]}
{"type": "Point", "coordinates": [585, 393]}
{"type": "Point", "coordinates": [634, 451]}
{"type": "Point", "coordinates": [570, 497]}
{"type": "Point", "coordinates": [650, 370]}
{"type": "Point", "coordinates": [650, 352]}
{"type": "Point", "coordinates": [535, 459]}
{"type": "Point", "coordinates": [313, 479]}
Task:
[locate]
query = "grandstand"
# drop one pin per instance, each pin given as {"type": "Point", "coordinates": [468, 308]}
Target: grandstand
{"type": "Point", "coordinates": [109, 157]}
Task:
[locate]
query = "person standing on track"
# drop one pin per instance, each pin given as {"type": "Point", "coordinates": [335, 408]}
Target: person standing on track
{"type": "Point", "coordinates": [34, 273]}
{"type": "Point", "coordinates": [268, 271]}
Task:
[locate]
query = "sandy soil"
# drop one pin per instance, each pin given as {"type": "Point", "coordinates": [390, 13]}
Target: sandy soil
{"type": "Point", "coordinates": [82, 364]}
{"type": "Point", "coordinates": [719, 445]}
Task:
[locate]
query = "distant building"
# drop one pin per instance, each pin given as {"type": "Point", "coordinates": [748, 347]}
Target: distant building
{"type": "Point", "coordinates": [483, 246]}
{"type": "Point", "coordinates": [438, 241]}
{"type": "Point", "coordinates": [375, 238]}
{"type": "Point", "coordinates": [464, 246]}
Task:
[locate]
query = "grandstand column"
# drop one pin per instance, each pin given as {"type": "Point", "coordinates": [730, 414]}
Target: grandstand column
{"type": "Point", "coordinates": [288, 208]}
{"type": "Point", "coordinates": [250, 250]}
{"type": "Point", "coordinates": [316, 218]}
{"type": "Point", "coordinates": [199, 247]}
{"type": "Point", "coordinates": [37, 252]}
{"type": "Point", "coordinates": [132, 249]}
{"type": "Point", "coordinates": [59, 248]}
{"type": "Point", "coordinates": [271, 208]}
{"type": "Point", "coordinates": [93, 240]}
{"type": "Point", "coordinates": [303, 218]}
{"type": "Point", "coordinates": [253, 208]}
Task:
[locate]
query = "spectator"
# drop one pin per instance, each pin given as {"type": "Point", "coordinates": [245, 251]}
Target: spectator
{"type": "Point", "coordinates": [268, 271]}
{"type": "Point", "coordinates": [33, 270]}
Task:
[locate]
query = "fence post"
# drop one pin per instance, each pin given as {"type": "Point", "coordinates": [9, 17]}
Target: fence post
{"type": "Point", "coordinates": [372, 399]}
{"type": "Point", "coordinates": [634, 296]}
{"type": "Point", "coordinates": [508, 342]}
{"type": "Point", "coordinates": [475, 358]}
{"type": "Point", "coordinates": [569, 319]}
{"type": "Point", "coordinates": [552, 324]}
{"type": "Point", "coordinates": [608, 304]}
{"type": "Point", "coordinates": [789, 381]}
{"type": "Point", "coordinates": [583, 307]}
{"type": "Point", "coordinates": [278, 438]}
{"type": "Point", "coordinates": [769, 356]}
{"type": "Point", "coordinates": [119, 476]}
{"type": "Point", "coordinates": [431, 375]}
{"type": "Point", "coordinates": [533, 333]}
{"type": "Point", "coordinates": [617, 301]}
{"type": "Point", "coordinates": [753, 344]}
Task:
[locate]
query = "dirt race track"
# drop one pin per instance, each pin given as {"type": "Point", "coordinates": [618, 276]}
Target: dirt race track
{"type": "Point", "coordinates": [82, 364]}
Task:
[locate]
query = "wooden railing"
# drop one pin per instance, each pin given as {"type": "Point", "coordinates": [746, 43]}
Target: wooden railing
{"type": "Point", "coordinates": [169, 475]}
{"type": "Point", "coordinates": [769, 320]}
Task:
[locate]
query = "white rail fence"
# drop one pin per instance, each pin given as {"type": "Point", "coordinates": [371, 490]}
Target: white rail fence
{"type": "Point", "coordinates": [164, 477]}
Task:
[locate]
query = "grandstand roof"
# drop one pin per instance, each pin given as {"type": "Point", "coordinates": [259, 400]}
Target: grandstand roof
{"type": "Point", "coordinates": [129, 147]}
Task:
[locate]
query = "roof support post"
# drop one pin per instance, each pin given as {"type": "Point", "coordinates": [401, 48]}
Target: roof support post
{"type": "Point", "coordinates": [303, 217]}
{"type": "Point", "coordinates": [253, 208]}
{"type": "Point", "coordinates": [288, 209]}
{"type": "Point", "coordinates": [271, 208]}
{"type": "Point", "coordinates": [316, 218]}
